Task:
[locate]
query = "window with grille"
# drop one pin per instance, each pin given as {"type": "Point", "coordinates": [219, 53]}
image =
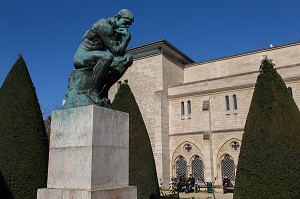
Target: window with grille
{"type": "Point", "coordinates": [181, 167]}
{"type": "Point", "coordinates": [198, 168]}
{"type": "Point", "coordinates": [227, 166]}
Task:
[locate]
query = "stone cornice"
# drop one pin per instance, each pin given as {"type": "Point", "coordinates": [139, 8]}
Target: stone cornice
{"type": "Point", "coordinates": [244, 86]}
{"type": "Point", "coordinates": [201, 132]}
{"type": "Point", "coordinates": [160, 46]}
{"type": "Point", "coordinates": [228, 130]}
{"type": "Point", "coordinates": [187, 133]}
{"type": "Point", "coordinates": [235, 75]}
{"type": "Point", "coordinates": [244, 54]}
{"type": "Point", "coordinates": [235, 87]}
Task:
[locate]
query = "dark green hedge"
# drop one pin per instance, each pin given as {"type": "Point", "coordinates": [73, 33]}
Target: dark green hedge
{"type": "Point", "coordinates": [269, 161]}
{"type": "Point", "coordinates": [23, 139]}
{"type": "Point", "coordinates": [142, 171]}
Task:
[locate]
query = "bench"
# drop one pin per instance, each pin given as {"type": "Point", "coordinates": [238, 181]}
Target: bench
{"type": "Point", "coordinates": [230, 189]}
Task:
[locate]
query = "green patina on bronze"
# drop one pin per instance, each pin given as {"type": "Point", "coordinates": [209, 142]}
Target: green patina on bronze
{"type": "Point", "coordinates": [100, 61]}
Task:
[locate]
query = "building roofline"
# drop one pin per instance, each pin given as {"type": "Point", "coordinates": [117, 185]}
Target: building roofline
{"type": "Point", "coordinates": [160, 46]}
{"type": "Point", "coordinates": [244, 54]}
{"type": "Point", "coordinates": [163, 46]}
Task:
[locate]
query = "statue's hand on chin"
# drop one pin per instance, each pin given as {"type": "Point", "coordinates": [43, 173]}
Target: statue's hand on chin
{"type": "Point", "coordinates": [122, 31]}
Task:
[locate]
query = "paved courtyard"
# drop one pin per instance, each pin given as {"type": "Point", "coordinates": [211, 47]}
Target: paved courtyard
{"type": "Point", "coordinates": [205, 195]}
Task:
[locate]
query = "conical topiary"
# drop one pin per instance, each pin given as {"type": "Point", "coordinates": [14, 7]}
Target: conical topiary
{"type": "Point", "coordinates": [23, 139]}
{"type": "Point", "coordinates": [269, 161]}
{"type": "Point", "coordinates": [142, 170]}
{"type": "Point", "coordinates": [4, 189]}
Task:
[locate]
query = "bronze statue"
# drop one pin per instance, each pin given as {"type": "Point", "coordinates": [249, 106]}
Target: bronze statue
{"type": "Point", "coordinates": [100, 61]}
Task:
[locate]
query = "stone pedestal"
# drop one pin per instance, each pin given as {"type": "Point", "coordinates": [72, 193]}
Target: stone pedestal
{"type": "Point", "coordinates": [89, 155]}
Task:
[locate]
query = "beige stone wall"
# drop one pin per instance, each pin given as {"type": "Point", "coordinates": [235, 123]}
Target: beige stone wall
{"type": "Point", "coordinates": [221, 145]}
{"type": "Point", "coordinates": [177, 143]}
{"type": "Point", "coordinates": [144, 78]}
{"type": "Point", "coordinates": [172, 75]}
{"type": "Point", "coordinates": [222, 119]}
{"type": "Point", "coordinates": [149, 79]}
{"type": "Point", "coordinates": [197, 121]}
{"type": "Point", "coordinates": [160, 84]}
{"type": "Point", "coordinates": [235, 76]}
{"type": "Point", "coordinates": [243, 63]}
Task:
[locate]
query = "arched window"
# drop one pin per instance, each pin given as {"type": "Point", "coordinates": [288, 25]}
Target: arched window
{"type": "Point", "coordinates": [189, 107]}
{"type": "Point", "coordinates": [182, 108]}
{"type": "Point", "coordinates": [227, 103]}
{"type": "Point", "coordinates": [227, 166]}
{"type": "Point", "coordinates": [181, 167]}
{"type": "Point", "coordinates": [198, 168]}
{"type": "Point", "coordinates": [235, 103]}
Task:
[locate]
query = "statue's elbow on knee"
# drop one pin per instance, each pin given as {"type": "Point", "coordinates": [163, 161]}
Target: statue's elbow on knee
{"type": "Point", "coordinates": [129, 60]}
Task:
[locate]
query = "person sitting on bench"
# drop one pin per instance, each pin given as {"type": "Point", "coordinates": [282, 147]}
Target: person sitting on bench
{"type": "Point", "coordinates": [190, 183]}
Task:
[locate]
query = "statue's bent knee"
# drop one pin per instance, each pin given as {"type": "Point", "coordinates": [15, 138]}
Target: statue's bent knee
{"type": "Point", "coordinates": [121, 63]}
{"type": "Point", "coordinates": [104, 60]}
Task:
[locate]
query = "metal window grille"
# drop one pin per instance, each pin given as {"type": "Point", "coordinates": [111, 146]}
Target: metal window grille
{"type": "Point", "coordinates": [181, 167]}
{"type": "Point", "coordinates": [227, 165]}
{"type": "Point", "coordinates": [198, 168]}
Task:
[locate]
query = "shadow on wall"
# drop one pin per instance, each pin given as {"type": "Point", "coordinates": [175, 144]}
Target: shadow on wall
{"type": "Point", "coordinates": [4, 189]}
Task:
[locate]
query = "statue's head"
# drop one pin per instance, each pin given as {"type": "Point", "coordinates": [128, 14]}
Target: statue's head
{"type": "Point", "coordinates": [125, 14]}
{"type": "Point", "coordinates": [124, 18]}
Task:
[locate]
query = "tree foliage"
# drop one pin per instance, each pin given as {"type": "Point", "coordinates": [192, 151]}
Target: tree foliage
{"type": "Point", "coordinates": [23, 139]}
{"type": "Point", "coordinates": [47, 123]}
{"type": "Point", "coordinates": [269, 163]}
{"type": "Point", "coordinates": [142, 170]}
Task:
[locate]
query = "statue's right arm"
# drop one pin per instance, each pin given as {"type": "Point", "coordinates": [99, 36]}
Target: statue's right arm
{"type": "Point", "coordinates": [108, 37]}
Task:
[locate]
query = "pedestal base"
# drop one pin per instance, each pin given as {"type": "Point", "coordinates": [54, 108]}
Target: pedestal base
{"type": "Point", "coordinates": [89, 149]}
{"type": "Point", "coordinates": [115, 193]}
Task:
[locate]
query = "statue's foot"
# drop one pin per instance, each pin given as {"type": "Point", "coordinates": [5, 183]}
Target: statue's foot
{"type": "Point", "coordinates": [105, 102]}
{"type": "Point", "coordinates": [94, 97]}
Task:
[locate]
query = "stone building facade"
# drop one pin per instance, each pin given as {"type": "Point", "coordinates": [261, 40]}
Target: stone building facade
{"type": "Point", "coordinates": [195, 112]}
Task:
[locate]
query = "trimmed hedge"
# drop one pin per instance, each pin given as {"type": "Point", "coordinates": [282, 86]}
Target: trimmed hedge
{"type": "Point", "coordinates": [23, 139]}
{"type": "Point", "coordinates": [269, 160]}
{"type": "Point", "coordinates": [142, 170]}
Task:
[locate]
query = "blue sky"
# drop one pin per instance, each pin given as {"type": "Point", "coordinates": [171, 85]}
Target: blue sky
{"type": "Point", "coordinates": [48, 33]}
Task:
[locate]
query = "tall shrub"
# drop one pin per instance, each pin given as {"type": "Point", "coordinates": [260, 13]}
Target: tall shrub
{"type": "Point", "coordinates": [23, 139]}
{"type": "Point", "coordinates": [269, 163]}
{"type": "Point", "coordinates": [142, 170]}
